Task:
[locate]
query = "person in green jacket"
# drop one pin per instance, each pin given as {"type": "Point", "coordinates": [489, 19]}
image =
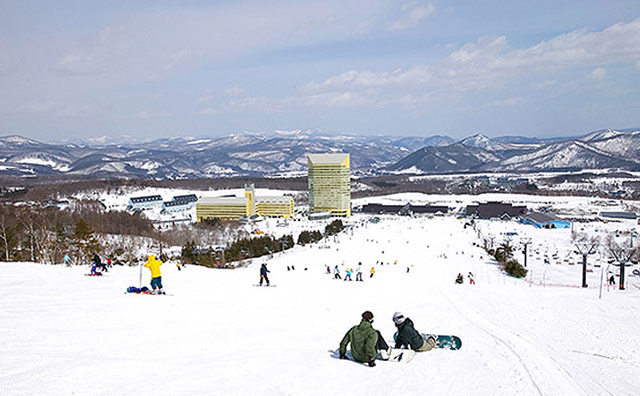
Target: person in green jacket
{"type": "Point", "coordinates": [365, 341]}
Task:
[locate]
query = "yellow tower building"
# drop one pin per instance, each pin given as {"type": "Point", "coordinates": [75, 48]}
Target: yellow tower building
{"type": "Point", "coordinates": [330, 183]}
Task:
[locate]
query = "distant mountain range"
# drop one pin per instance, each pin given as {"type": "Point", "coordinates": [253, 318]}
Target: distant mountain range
{"type": "Point", "coordinates": [605, 149]}
{"type": "Point", "coordinates": [284, 153]}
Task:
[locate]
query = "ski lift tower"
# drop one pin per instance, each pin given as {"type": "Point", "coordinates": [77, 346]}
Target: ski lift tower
{"type": "Point", "coordinates": [585, 249]}
{"type": "Point", "coordinates": [623, 256]}
{"type": "Point", "coordinates": [525, 242]}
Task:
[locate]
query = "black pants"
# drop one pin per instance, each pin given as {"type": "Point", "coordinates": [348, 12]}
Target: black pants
{"type": "Point", "coordinates": [381, 344]}
{"type": "Point", "coordinates": [265, 278]}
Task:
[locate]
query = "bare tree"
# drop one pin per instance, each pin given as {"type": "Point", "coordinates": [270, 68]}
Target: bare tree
{"type": "Point", "coordinates": [8, 230]}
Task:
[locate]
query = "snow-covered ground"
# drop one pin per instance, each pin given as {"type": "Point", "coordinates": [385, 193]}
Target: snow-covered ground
{"type": "Point", "coordinates": [62, 333]}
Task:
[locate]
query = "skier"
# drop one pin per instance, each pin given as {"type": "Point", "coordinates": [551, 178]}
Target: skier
{"type": "Point", "coordinates": [612, 281]}
{"type": "Point", "coordinates": [156, 277]}
{"type": "Point", "coordinates": [359, 273]}
{"type": "Point", "coordinates": [67, 260]}
{"type": "Point", "coordinates": [407, 335]}
{"type": "Point", "coordinates": [459, 279]}
{"type": "Point", "coordinates": [472, 280]}
{"type": "Point", "coordinates": [178, 265]}
{"type": "Point", "coordinates": [373, 271]}
{"type": "Point", "coordinates": [365, 341]}
{"type": "Point", "coordinates": [96, 260]}
{"type": "Point", "coordinates": [263, 274]}
{"type": "Point", "coordinates": [336, 272]}
{"type": "Point", "coordinates": [328, 270]}
{"type": "Point", "coordinates": [94, 269]}
{"type": "Point", "coordinates": [348, 276]}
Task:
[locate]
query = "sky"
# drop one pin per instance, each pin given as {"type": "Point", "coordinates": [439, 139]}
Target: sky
{"type": "Point", "coordinates": [151, 69]}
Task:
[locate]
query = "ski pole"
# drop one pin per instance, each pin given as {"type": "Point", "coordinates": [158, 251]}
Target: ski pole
{"type": "Point", "coordinates": [140, 284]}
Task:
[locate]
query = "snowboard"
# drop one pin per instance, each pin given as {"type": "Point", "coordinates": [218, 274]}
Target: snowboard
{"type": "Point", "coordinates": [446, 341]}
{"type": "Point", "coordinates": [442, 341]}
{"type": "Point", "coordinates": [149, 293]}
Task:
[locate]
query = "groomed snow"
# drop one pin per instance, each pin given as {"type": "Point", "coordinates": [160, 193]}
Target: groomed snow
{"type": "Point", "coordinates": [62, 333]}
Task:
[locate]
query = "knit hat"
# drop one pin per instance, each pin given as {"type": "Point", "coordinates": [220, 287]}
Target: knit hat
{"type": "Point", "coordinates": [398, 318]}
{"type": "Point", "coordinates": [367, 315]}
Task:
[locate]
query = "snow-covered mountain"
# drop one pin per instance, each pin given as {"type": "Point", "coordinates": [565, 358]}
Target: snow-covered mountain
{"type": "Point", "coordinates": [243, 154]}
{"type": "Point", "coordinates": [284, 153]}
{"type": "Point", "coordinates": [596, 150]}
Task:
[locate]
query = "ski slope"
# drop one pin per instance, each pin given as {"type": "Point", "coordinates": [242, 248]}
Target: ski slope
{"type": "Point", "coordinates": [62, 333]}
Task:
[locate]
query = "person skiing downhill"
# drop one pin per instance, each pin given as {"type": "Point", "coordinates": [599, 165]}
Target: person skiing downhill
{"type": "Point", "coordinates": [365, 341]}
{"type": "Point", "coordinates": [156, 276]}
{"type": "Point", "coordinates": [336, 272]}
{"type": "Point", "coordinates": [263, 274]}
{"type": "Point", "coordinates": [348, 276]}
{"type": "Point", "coordinates": [67, 260]}
{"type": "Point", "coordinates": [407, 336]}
{"type": "Point", "coordinates": [373, 271]}
{"type": "Point", "coordinates": [359, 273]}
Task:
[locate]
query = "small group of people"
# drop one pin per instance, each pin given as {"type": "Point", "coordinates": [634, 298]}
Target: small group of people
{"type": "Point", "coordinates": [97, 265]}
{"type": "Point", "coordinates": [368, 343]}
{"type": "Point", "coordinates": [470, 275]}
{"type": "Point", "coordinates": [349, 271]}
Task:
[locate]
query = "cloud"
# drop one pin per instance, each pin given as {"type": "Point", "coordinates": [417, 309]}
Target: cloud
{"type": "Point", "coordinates": [234, 91]}
{"type": "Point", "coordinates": [598, 74]}
{"type": "Point", "coordinates": [209, 111]}
{"type": "Point", "coordinates": [543, 84]}
{"type": "Point", "coordinates": [148, 114]}
{"type": "Point", "coordinates": [76, 65]}
{"type": "Point", "coordinates": [489, 63]}
{"type": "Point", "coordinates": [56, 108]}
{"type": "Point", "coordinates": [413, 14]}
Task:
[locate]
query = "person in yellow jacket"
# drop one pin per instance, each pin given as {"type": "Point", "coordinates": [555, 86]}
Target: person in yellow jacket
{"type": "Point", "coordinates": [156, 277]}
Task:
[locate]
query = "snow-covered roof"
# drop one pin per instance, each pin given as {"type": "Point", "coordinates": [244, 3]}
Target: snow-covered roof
{"type": "Point", "coordinates": [328, 158]}
{"type": "Point", "coordinates": [150, 198]}
{"type": "Point", "coordinates": [223, 201]}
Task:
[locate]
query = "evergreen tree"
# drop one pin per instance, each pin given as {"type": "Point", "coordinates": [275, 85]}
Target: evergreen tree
{"type": "Point", "coordinates": [85, 241]}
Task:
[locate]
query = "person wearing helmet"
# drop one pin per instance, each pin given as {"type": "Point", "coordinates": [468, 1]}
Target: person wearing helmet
{"type": "Point", "coordinates": [365, 341]}
{"type": "Point", "coordinates": [409, 337]}
{"type": "Point", "coordinates": [156, 277]}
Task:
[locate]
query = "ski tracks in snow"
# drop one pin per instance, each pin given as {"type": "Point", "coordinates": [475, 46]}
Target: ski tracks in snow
{"type": "Point", "coordinates": [546, 375]}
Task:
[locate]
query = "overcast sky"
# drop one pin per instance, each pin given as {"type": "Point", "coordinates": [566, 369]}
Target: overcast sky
{"type": "Point", "coordinates": [207, 68]}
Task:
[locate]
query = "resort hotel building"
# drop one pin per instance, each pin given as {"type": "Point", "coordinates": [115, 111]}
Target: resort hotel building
{"type": "Point", "coordinates": [235, 208]}
{"type": "Point", "coordinates": [329, 184]}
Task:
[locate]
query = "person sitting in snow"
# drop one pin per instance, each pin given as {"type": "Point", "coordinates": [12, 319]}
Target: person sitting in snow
{"type": "Point", "coordinates": [365, 341]}
{"type": "Point", "coordinates": [156, 276]}
{"type": "Point", "coordinates": [408, 336]}
{"type": "Point", "coordinates": [460, 279]}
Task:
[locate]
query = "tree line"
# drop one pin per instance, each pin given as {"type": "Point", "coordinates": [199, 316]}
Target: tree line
{"type": "Point", "coordinates": [248, 248]}
{"type": "Point", "coordinates": [45, 233]}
